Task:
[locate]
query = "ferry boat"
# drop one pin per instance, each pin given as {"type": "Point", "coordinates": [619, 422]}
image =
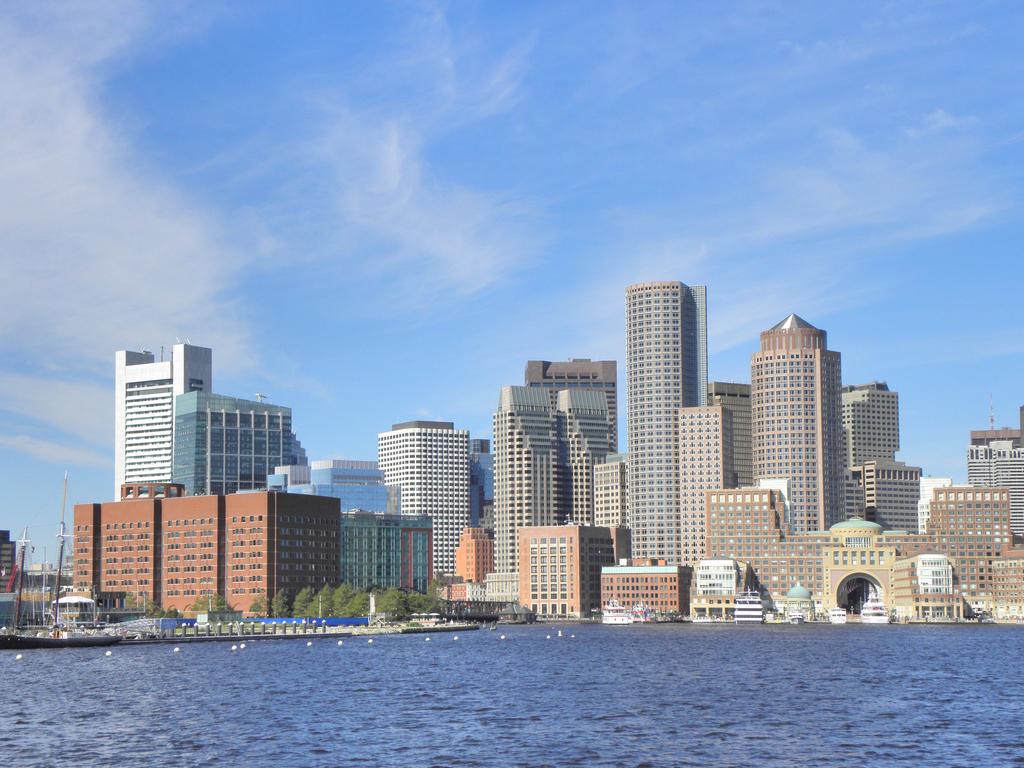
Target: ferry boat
{"type": "Point", "coordinates": [837, 616]}
{"type": "Point", "coordinates": [796, 618]}
{"type": "Point", "coordinates": [616, 613]}
{"type": "Point", "coordinates": [749, 609]}
{"type": "Point", "coordinates": [873, 612]}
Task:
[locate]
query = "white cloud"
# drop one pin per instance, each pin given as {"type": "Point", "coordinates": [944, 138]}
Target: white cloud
{"type": "Point", "coordinates": [54, 452]}
{"type": "Point", "coordinates": [940, 120]}
{"type": "Point", "coordinates": [99, 253]}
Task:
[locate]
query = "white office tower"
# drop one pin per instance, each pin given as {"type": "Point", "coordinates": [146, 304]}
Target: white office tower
{"type": "Point", "coordinates": [611, 484]}
{"type": "Point", "coordinates": [544, 460]}
{"type": "Point", "coordinates": [1000, 464]}
{"type": "Point", "coordinates": [666, 369]}
{"type": "Point", "coordinates": [429, 462]}
{"type": "Point", "coordinates": [924, 502]}
{"type": "Point", "coordinates": [144, 400]}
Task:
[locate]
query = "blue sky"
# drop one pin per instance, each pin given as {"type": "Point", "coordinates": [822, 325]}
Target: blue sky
{"type": "Point", "coordinates": [379, 212]}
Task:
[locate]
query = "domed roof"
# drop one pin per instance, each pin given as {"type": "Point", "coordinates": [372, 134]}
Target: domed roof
{"type": "Point", "coordinates": [798, 593]}
{"type": "Point", "coordinates": [856, 524]}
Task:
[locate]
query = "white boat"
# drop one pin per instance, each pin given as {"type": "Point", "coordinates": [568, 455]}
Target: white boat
{"type": "Point", "coordinates": [749, 609]}
{"type": "Point", "coordinates": [641, 614]}
{"type": "Point", "coordinates": [837, 616]}
{"type": "Point", "coordinates": [702, 619]}
{"type": "Point", "coordinates": [796, 618]}
{"type": "Point", "coordinates": [616, 613]}
{"type": "Point", "coordinates": [873, 612]}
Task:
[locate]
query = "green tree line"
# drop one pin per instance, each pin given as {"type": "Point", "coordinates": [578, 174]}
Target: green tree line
{"type": "Point", "coordinates": [344, 600]}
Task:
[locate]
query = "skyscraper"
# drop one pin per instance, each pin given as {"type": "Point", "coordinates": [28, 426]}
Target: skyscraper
{"type": "Point", "coordinates": [611, 491]}
{"type": "Point", "coordinates": [736, 399]}
{"type": "Point", "coordinates": [796, 420]}
{"type": "Point", "coordinates": [579, 373]}
{"type": "Point", "coordinates": [892, 489]}
{"type": "Point", "coordinates": [481, 484]}
{"type": "Point", "coordinates": [705, 464]}
{"type": "Point", "coordinates": [996, 458]}
{"type": "Point", "coordinates": [666, 369]}
{"type": "Point", "coordinates": [226, 444]}
{"type": "Point", "coordinates": [429, 461]}
{"type": "Point", "coordinates": [144, 406]}
{"type": "Point", "coordinates": [871, 422]}
{"type": "Point", "coordinates": [544, 458]}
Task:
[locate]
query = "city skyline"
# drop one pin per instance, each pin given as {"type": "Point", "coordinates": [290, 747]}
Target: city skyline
{"type": "Point", "coordinates": [465, 303]}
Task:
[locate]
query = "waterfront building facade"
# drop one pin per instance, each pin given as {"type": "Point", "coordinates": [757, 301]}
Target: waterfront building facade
{"type": "Point", "coordinates": [474, 557]}
{"type": "Point", "coordinates": [145, 393]}
{"type": "Point", "coordinates": [924, 500]}
{"type": "Point", "coordinates": [871, 422]}
{"type": "Point", "coordinates": [579, 373]}
{"type": "Point", "coordinates": [356, 484]}
{"type": "Point", "coordinates": [611, 491]}
{"type": "Point", "coordinates": [172, 551]}
{"type": "Point", "coordinates": [666, 369]}
{"type": "Point", "coordinates": [735, 398]}
{"type": "Point", "coordinates": [923, 589]}
{"type": "Point", "coordinates": [996, 458]}
{"type": "Point", "coordinates": [664, 589]}
{"type": "Point", "coordinates": [560, 567]}
{"type": "Point", "coordinates": [481, 484]}
{"type": "Point", "coordinates": [854, 559]}
{"type": "Point", "coordinates": [716, 582]}
{"type": "Point", "coordinates": [1008, 586]}
{"type": "Point", "coordinates": [383, 551]}
{"type": "Point", "coordinates": [429, 462]}
{"type": "Point", "coordinates": [796, 419]}
{"type": "Point", "coordinates": [544, 459]}
{"type": "Point", "coordinates": [705, 463]}
{"type": "Point", "coordinates": [893, 490]}
{"type": "Point", "coordinates": [227, 444]}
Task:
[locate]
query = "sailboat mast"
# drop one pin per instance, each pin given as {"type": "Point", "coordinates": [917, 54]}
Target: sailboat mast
{"type": "Point", "coordinates": [60, 557]}
{"type": "Point", "coordinates": [21, 578]}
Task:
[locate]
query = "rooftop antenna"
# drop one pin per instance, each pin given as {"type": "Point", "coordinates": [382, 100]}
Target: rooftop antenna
{"type": "Point", "coordinates": [991, 413]}
{"type": "Point", "coordinates": [260, 397]}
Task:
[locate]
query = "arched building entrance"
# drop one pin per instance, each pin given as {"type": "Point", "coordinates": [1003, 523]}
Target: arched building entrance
{"type": "Point", "coordinates": [856, 589]}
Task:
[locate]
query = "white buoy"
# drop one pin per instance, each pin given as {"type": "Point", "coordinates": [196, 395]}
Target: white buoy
{"type": "Point", "coordinates": [309, 643]}
{"type": "Point", "coordinates": [455, 638]}
{"type": "Point", "coordinates": [370, 640]}
{"type": "Point", "coordinates": [502, 637]}
{"type": "Point", "coordinates": [559, 633]}
{"type": "Point", "coordinates": [572, 635]}
{"type": "Point", "coordinates": [428, 639]}
{"type": "Point", "coordinates": [109, 653]}
{"type": "Point", "coordinates": [340, 642]}
{"type": "Point", "coordinates": [549, 637]}
{"type": "Point", "coordinates": [242, 646]}
{"type": "Point", "coordinates": [177, 649]}
{"type": "Point", "coordinates": [19, 657]}
{"type": "Point", "coordinates": [234, 647]}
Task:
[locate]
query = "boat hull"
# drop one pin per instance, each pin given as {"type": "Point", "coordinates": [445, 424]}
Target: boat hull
{"type": "Point", "coordinates": [28, 642]}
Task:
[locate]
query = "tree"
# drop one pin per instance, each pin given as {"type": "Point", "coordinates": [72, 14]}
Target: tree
{"type": "Point", "coordinates": [280, 606]}
{"type": "Point", "coordinates": [301, 604]}
{"type": "Point", "coordinates": [323, 603]}
{"type": "Point", "coordinates": [357, 605]}
{"type": "Point", "coordinates": [343, 593]}
{"type": "Point", "coordinates": [259, 605]}
{"type": "Point", "coordinates": [145, 606]}
{"type": "Point", "coordinates": [392, 603]}
{"type": "Point", "coordinates": [211, 602]}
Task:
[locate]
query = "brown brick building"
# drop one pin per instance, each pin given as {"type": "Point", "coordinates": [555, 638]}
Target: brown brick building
{"type": "Point", "coordinates": [174, 550]}
{"type": "Point", "coordinates": [560, 567]}
{"type": "Point", "coordinates": [474, 557]}
{"type": "Point", "coordinates": [663, 588]}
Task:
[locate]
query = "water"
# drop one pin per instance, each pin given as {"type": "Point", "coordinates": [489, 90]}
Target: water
{"type": "Point", "coordinates": [617, 696]}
